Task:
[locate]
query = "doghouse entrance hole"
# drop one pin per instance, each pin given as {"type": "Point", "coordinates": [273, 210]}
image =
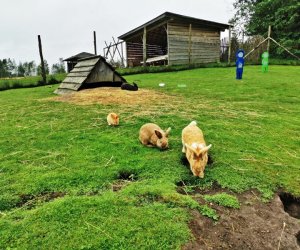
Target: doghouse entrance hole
{"type": "Point", "coordinates": [291, 205]}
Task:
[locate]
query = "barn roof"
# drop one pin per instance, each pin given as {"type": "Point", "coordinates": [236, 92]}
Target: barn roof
{"type": "Point", "coordinates": [168, 16]}
{"type": "Point", "coordinates": [79, 56]}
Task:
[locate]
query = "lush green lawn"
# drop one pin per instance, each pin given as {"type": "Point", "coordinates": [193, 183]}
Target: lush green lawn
{"type": "Point", "coordinates": [60, 162]}
{"type": "Point", "coordinates": [29, 81]}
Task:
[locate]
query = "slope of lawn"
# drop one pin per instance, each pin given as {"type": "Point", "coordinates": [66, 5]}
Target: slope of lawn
{"type": "Point", "coordinates": [69, 181]}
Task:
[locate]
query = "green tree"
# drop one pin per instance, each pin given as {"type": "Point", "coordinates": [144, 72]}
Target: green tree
{"type": "Point", "coordinates": [12, 67]}
{"type": "Point", "coordinates": [58, 68]}
{"type": "Point", "coordinates": [3, 68]}
{"type": "Point", "coordinates": [21, 69]}
{"type": "Point", "coordinates": [254, 17]}
{"type": "Point", "coordinates": [39, 68]}
{"type": "Point", "coordinates": [30, 68]}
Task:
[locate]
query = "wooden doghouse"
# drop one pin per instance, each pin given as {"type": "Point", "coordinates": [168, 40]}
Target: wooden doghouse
{"type": "Point", "coordinates": [88, 73]}
{"type": "Point", "coordinates": [174, 40]}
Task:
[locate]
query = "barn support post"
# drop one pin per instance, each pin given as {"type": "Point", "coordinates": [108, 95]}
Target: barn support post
{"type": "Point", "coordinates": [42, 60]}
{"type": "Point", "coordinates": [144, 46]}
{"type": "Point", "coordinates": [190, 43]}
{"type": "Point", "coordinates": [95, 43]}
{"type": "Point", "coordinates": [229, 44]}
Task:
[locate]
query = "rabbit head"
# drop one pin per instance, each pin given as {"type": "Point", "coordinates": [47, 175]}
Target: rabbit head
{"type": "Point", "coordinates": [162, 138]}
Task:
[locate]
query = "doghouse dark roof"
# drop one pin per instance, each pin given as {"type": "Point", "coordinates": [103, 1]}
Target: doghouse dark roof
{"type": "Point", "coordinates": [168, 16]}
{"type": "Point", "coordinates": [79, 56]}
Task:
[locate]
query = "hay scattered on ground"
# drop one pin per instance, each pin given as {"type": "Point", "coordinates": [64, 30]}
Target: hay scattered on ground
{"type": "Point", "coordinates": [107, 96]}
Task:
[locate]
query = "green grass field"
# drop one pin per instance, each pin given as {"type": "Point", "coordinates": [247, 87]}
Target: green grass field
{"type": "Point", "coordinates": [69, 181]}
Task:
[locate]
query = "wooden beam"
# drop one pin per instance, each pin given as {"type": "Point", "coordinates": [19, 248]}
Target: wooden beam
{"type": "Point", "coordinates": [285, 48]}
{"type": "Point", "coordinates": [229, 45]}
{"type": "Point", "coordinates": [95, 43]}
{"type": "Point", "coordinates": [144, 46]}
{"type": "Point", "coordinates": [42, 60]}
{"type": "Point", "coordinates": [269, 36]}
{"type": "Point", "coordinates": [256, 47]}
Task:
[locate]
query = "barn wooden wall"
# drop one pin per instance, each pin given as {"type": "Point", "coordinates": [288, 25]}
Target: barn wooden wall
{"type": "Point", "coordinates": [192, 44]}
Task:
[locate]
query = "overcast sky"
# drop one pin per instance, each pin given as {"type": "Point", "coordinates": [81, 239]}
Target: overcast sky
{"type": "Point", "coordinates": [66, 26]}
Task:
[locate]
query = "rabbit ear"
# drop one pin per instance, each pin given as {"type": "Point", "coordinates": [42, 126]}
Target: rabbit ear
{"type": "Point", "coordinates": [168, 131]}
{"type": "Point", "coordinates": [158, 134]}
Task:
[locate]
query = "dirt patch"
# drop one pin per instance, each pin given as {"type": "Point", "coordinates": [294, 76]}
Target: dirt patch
{"type": "Point", "coordinates": [255, 225]}
{"type": "Point", "coordinates": [30, 201]}
{"type": "Point", "coordinates": [106, 96]}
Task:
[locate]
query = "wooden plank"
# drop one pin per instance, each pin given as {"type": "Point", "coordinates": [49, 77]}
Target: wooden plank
{"type": "Point", "coordinates": [74, 79]}
{"type": "Point", "coordinates": [194, 33]}
{"type": "Point", "coordinates": [89, 62]}
{"type": "Point", "coordinates": [73, 86]}
{"type": "Point", "coordinates": [185, 61]}
{"type": "Point", "coordinates": [79, 74]}
{"type": "Point", "coordinates": [179, 26]}
{"type": "Point", "coordinates": [82, 69]}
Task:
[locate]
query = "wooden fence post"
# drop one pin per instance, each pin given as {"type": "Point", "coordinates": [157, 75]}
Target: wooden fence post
{"type": "Point", "coordinates": [95, 43]}
{"type": "Point", "coordinates": [269, 35]}
{"type": "Point", "coordinates": [42, 60]}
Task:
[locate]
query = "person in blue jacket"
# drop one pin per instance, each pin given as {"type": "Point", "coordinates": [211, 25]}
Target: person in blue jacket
{"type": "Point", "coordinates": [239, 63]}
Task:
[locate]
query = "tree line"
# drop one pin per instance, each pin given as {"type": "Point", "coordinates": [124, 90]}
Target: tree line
{"type": "Point", "coordinates": [9, 68]}
{"type": "Point", "coordinates": [253, 17]}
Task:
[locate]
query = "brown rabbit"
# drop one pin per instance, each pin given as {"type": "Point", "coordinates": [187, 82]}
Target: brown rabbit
{"type": "Point", "coordinates": [195, 149]}
{"type": "Point", "coordinates": [113, 119]}
{"type": "Point", "coordinates": [151, 135]}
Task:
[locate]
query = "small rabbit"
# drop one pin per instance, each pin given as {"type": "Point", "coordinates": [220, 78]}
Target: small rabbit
{"type": "Point", "coordinates": [113, 119]}
{"type": "Point", "coordinates": [151, 135]}
{"type": "Point", "coordinates": [195, 149]}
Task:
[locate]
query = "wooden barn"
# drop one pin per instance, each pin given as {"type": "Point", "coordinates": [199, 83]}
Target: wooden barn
{"type": "Point", "coordinates": [174, 40]}
{"type": "Point", "coordinates": [71, 61]}
{"type": "Point", "coordinates": [90, 72]}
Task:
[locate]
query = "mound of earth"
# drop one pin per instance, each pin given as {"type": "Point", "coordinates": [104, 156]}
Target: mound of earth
{"type": "Point", "coordinates": [256, 225]}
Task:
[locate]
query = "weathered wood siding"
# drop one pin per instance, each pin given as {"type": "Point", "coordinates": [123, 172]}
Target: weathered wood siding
{"type": "Point", "coordinates": [134, 54]}
{"type": "Point", "coordinates": [192, 44]}
{"type": "Point", "coordinates": [102, 73]}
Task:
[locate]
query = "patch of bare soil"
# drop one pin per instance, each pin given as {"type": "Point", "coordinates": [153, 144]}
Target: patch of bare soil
{"type": "Point", "coordinates": [30, 201]}
{"type": "Point", "coordinates": [112, 95]}
{"type": "Point", "coordinates": [256, 225]}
